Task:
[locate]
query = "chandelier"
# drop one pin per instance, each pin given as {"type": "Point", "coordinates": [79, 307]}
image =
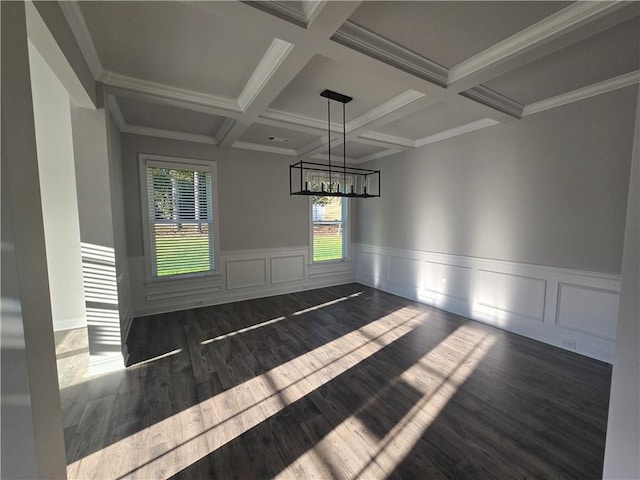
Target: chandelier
{"type": "Point", "coordinates": [327, 179]}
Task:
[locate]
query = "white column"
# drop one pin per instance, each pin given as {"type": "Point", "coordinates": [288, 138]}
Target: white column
{"type": "Point", "coordinates": [32, 431]}
{"type": "Point", "coordinates": [622, 457]}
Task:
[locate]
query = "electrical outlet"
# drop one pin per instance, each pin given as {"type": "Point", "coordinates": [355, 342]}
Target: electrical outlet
{"type": "Point", "coordinates": [569, 344]}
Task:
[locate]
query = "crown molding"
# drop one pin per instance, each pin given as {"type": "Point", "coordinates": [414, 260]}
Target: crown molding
{"type": "Point", "coordinates": [265, 148]}
{"type": "Point", "coordinates": [224, 129]}
{"type": "Point", "coordinates": [376, 155]}
{"type": "Point", "coordinates": [270, 62]}
{"type": "Point", "coordinates": [280, 10]}
{"type": "Point", "coordinates": [116, 112]}
{"type": "Point", "coordinates": [400, 101]}
{"type": "Point", "coordinates": [288, 118]}
{"type": "Point", "coordinates": [78, 25]}
{"type": "Point", "coordinates": [325, 157]}
{"type": "Point", "coordinates": [493, 99]}
{"type": "Point", "coordinates": [383, 139]}
{"type": "Point", "coordinates": [171, 134]}
{"type": "Point", "coordinates": [454, 132]}
{"type": "Point", "coordinates": [312, 8]}
{"type": "Point", "coordinates": [621, 81]}
{"type": "Point", "coordinates": [173, 93]}
{"type": "Point", "coordinates": [358, 38]}
{"type": "Point", "coordinates": [532, 36]}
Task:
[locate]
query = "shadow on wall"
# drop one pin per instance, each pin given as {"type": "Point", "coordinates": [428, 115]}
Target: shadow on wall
{"type": "Point", "coordinates": [101, 299]}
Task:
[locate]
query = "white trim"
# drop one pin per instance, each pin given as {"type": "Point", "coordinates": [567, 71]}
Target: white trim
{"type": "Point", "coordinates": [224, 129]}
{"type": "Point", "coordinates": [78, 25]}
{"type": "Point", "coordinates": [599, 88]}
{"type": "Point", "coordinates": [452, 282]}
{"type": "Point", "coordinates": [69, 324]}
{"type": "Point", "coordinates": [158, 297]}
{"type": "Point", "coordinates": [400, 101]}
{"type": "Point", "coordinates": [265, 148]}
{"type": "Point", "coordinates": [172, 134]}
{"type": "Point", "coordinates": [116, 112]}
{"type": "Point", "coordinates": [533, 36]}
{"type": "Point", "coordinates": [454, 132]}
{"type": "Point", "coordinates": [376, 155]}
{"type": "Point", "coordinates": [176, 162]}
{"type": "Point", "coordinates": [383, 138]}
{"type": "Point", "coordinates": [358, 38]}
{"type": "Point", "coordinates": [270, 62]}
{"type": "Point", "coordinates": [40, 37]}
{"type": "Point", "coordinates": [312, 8]}
{"type": "Point", "coordinates": [346, 237]}
{"type": "Point", "coordinates": [495, 100]}
{"type": "Point", "coordinates": [99, 365]}
{"type": "Point", "coordinates": [173, 93]}
{"type": "Point", "coordinates": [282, 10]}
{"type": "Point", "coordinates": [289, 118]}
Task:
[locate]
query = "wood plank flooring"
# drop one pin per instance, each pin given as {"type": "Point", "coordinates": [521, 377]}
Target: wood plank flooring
{"type": "Point", "coordinates": [344, 382]}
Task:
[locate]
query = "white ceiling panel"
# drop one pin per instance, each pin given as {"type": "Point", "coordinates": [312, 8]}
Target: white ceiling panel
{"type": "Point", "coordinates": [355, 150]}
{"type": "Point", "coordinates": [606, 55]}
{"type": "Point", "coordinates": [302, 95]}
{"type": "Point", "coordinates": [164, 117]}
{"type": "Point", "coordinates": [436, 118]}
{"type": "Point", "coordinates": [450, 32]}
{"type": "Point", "coordinates": [203, 46]}
{"type": "Point", "coordinates": [359, 150]}
{"type": "Point", "coordinates": [284, 138]}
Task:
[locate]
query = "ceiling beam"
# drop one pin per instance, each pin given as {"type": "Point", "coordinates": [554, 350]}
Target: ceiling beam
{"type": "Point", "coordinates": [328, 18]}
{"type": "Point", "coordinates": [547, 36]}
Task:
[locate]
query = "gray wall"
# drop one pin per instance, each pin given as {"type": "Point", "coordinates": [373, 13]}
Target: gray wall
{"type": "Point", "coordinates": [550, 189]}
{"type": "Point", "coordinates": [623, 430]}
{"type": "Point", "coordinates": [54, 141]}
{"type": "Point", "coordinates": [255, 209]}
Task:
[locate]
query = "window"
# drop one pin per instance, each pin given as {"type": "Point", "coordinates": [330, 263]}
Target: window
{"type": "Point", "coordinates": [329, 228]}
{"type": "Point", "coordinates": [179, 216]}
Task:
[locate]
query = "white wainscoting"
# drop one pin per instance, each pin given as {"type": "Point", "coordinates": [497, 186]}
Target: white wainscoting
{"type": "Point", "coordinates": [571, 309]}
{"type": "Point", "coordinates": [245, 274]}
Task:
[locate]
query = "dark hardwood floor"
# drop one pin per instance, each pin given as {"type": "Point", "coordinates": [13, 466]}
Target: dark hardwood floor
{"type": "Point", "coordinates": [343, 382]}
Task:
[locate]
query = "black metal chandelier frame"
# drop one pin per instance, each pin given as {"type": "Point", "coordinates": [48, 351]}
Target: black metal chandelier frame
{"type": "Point", "coordinates": [356, 182]}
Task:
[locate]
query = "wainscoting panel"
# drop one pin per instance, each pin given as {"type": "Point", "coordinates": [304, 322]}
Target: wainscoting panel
{"type": "Point", "coordinates": [288, 268]}
{"type": "Point", "coordinates": [246, 273]}
{"type": "Point", "coordinates": [570, 309]}
{"type": "Point", "coordinates": [513, 294]}
{"type": "Point", "coordinates": [450, 280]}
{"type": "Point", "coordinates": [405, 271]}
{"type": "Point", "coordinates": [371, 265]}
{"type": "Point", "coordinates": [587, 310]}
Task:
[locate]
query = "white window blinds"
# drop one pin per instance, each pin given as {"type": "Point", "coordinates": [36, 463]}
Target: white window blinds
{"type": "Point", "coordinates": [180, 218]}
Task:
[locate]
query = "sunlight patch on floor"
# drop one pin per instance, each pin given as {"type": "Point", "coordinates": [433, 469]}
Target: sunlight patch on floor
{"type": "Point", "coordinates": [229, 414]}
{"type": "Point", "coordinates": [377, 458]}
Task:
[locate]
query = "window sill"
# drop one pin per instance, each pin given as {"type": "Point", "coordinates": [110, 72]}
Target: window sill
{"type": "Point", "coordinates": [181, 278]}
{"type": "Point", "coordinates": [328, 263]}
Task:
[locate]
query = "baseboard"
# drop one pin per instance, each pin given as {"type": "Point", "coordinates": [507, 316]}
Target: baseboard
{"type": "Point", "coordinates": [106, 364]}
{"type": "Point", "coordinates": [570, 309]}
{"type": "Point", "coordinates": [69, 324]}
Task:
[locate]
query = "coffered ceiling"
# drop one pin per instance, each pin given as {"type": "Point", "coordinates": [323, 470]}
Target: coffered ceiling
{"type": "Point", "coordinates": [249, 74]}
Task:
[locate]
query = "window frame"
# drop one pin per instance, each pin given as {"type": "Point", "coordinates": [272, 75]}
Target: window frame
{"type": "Point", "coordinates": [346, 234]}
{"type": "Point", "coordinates": [180, 163]}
